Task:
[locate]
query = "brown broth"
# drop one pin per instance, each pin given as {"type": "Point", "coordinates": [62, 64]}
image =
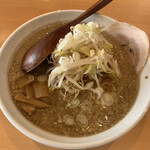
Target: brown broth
{"type": "Point", "coordinates": [99, 117]}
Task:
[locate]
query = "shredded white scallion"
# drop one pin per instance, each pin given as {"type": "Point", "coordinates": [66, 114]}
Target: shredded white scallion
{"type": "Point", "coordinates": [79, 55]}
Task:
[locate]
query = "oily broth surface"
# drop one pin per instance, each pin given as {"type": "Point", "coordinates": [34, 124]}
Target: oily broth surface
{"type": "Point", "coordinates": [99, 117]}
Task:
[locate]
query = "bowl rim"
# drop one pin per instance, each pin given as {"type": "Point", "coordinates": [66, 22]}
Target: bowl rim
{"type": "Point", "coordinates": [41, 140]}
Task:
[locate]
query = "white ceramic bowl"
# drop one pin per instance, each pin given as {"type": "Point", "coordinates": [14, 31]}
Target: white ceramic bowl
{"type": "Point", "coordinates": [23, 125]}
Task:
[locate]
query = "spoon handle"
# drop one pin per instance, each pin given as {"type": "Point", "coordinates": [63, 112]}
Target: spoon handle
{"type": "Point", "coordinates": [93, 9]}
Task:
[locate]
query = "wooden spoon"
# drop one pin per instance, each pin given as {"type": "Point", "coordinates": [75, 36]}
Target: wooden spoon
{"type": "Point", "coordinates": [41, 49]}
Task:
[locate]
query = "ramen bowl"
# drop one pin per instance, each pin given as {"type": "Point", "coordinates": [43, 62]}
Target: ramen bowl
{"type": "Point", "coordinates": [11, 112]}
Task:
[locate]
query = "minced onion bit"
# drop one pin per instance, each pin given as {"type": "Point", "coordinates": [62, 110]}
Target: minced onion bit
{"type": "Point", "coordinates": [107, 99]}
{"type": "Point", "coordinates": [82, 52]}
